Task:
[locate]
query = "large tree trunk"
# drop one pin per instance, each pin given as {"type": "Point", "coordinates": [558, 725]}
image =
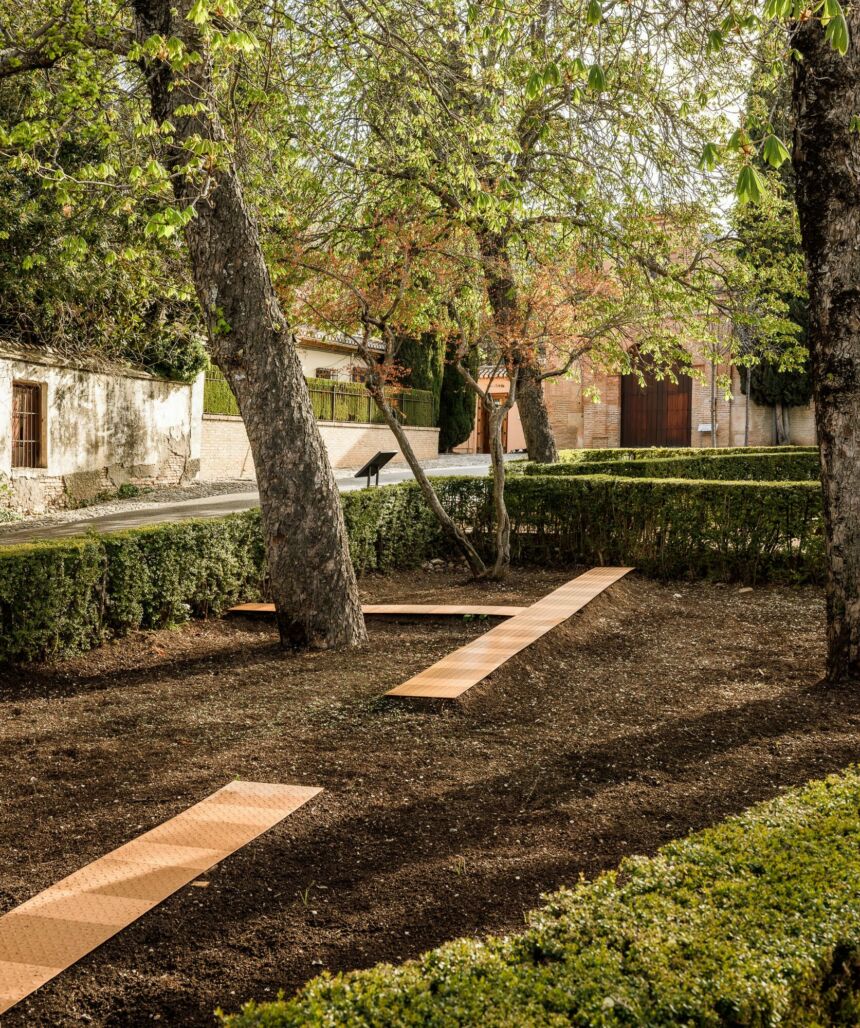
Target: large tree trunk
{"type": "Point", "coordinates": [502, 294]}
{"type": "Point", "coordinates": [312, 579]}
{"type": "Point", "coordinates": [827, 166]}
{"type": "Point", "coordinates": [531, 402]}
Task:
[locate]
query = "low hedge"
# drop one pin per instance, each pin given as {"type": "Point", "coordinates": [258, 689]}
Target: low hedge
{"type": "Point", "coordinates": [732, 531]}
{"type": "Point", "coordinates": [657, 452]}
{"type": "Point", "coordinates": [753, 922]}
{"type": "Point", "coordinates": [764, 466]}
{"type": "Point", "coordinates": [69, 595]}
{"type": "Point", "coordinates": [72, 594]}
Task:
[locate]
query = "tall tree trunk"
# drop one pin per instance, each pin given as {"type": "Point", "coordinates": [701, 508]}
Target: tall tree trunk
{"type": "Point", "coordinates": [826, 96]}
{"type": "Point", "coordinates": [783, 432]}
{"type": "Point", "coordinates": [502, 294]}
{"type": "Point", "coordinates": [502, 520]}
{"type": "Point", "coordinates": [537, 428]}
{"type": "Point", "coordinates": [312, 579]}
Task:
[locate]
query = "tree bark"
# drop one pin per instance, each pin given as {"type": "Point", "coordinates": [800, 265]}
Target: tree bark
{"type": "Point", "coordinates": [537, 428]}
{"type": "Point", "coordinates": [312, 579]}
{"type": "Point", "coordinates": [502, 295]}
{"type": "Point", "coordinates": [826, 95]}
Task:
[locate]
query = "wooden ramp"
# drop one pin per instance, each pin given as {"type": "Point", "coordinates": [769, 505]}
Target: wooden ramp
{"type": "Point", "coordinates": [459, 671]}
{"type": "Point", "coordinates": [54, 929]}
{"type": "Point", "coordinates": [412, 609]}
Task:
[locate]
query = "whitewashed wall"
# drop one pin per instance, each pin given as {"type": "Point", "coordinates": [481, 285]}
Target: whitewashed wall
{"type": "Point", "coordinates": [102, 429]}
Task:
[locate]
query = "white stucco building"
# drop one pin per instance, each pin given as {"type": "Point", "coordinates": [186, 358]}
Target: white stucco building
{"type": "Point", "coordinates": [71, 432]}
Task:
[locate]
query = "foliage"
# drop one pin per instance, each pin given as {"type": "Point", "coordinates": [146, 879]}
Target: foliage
{"type": "Point", "coordinates": [457, 402]}
{"type": "Point", "coordinates": [76, 273]}
{"type": "Point", "coordinates": [658, 452]}
{"type": "Point", "coordinates": [753, 922]}
{"type": "Point", "coordinates": [69, 595]}
{"type": "Point", "coordinates": [64, 596]}
{"type": "Point", "coordinates": [667, 528]}
{"type": "Point", "coordinates": [799, 466]}
{"type": "Point", "coordinates": [423, 364]}
{"type": "Point", "coordinates": [333, 401]}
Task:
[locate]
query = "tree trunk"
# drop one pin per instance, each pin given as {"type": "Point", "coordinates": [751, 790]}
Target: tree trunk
{"type": "Point", "coordinates": [502, 295]}
{"type": "Point", "coordinates": [500, 509]}
{"type": "Point", "coordinates": [534, 416]}
{"type": "Point", "coordinates": [454, 534]}
{"type": "Point", "coordinates": [783, 432]}
{"type": "Point", "coordinates": [827, 166]}
{"type": "Point", "coordinates": [312, 579]}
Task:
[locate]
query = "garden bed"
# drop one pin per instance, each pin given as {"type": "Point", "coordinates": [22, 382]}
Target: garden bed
{"type": "Point", "coordinates": [660, 709]}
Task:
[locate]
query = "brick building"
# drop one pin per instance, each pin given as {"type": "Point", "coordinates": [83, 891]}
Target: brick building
{"type": "Point", "coordinates": [692, 412]}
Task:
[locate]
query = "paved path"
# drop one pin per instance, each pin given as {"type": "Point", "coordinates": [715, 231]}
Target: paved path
{"type": "Point", "coordinates": [209, 506]}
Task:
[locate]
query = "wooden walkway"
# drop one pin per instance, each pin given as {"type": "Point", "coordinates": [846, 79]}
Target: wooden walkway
{"type": "Point", "coordinates": [54, 929]}
{"type": "Point", "coordinates": [459, 671]}
{"type": "Point", "coordinates": [411, 609]}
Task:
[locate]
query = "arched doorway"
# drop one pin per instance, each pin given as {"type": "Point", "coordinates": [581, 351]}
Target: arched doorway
{"type": "Point", "coordinates": [657, 414]}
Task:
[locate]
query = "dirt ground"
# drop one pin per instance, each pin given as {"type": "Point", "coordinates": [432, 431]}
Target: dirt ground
{"type": "Point", "coordinates": [656, 711]}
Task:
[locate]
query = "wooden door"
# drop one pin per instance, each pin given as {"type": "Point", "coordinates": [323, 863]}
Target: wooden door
{"type": "Point", "coordinates": [657, 414]}
{"type": "Point", "coordinates": [483, 432]}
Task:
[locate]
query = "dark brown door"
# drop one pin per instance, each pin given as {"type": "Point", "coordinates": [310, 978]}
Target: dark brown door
{"type": "Point", "coordinates": [657, 414]}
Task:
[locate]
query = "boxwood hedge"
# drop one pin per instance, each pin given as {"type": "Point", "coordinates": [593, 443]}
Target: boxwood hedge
{"type": "Point", "coordinates": [753, 922]}
{"type": "Point", "coordinates": [779, 466]}
{"type": "Point", "coordinates": [64, 596]}
{"type": "Point", "coordinates": [656, 452]}
{"type": "Point", "coordinates": [60, 597]}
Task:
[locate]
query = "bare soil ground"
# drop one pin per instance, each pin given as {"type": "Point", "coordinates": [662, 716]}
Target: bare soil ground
{"type": "Point", "coordinates": [657, 710]}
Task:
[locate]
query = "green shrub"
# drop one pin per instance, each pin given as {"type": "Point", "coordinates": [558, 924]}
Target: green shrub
{"type": "Point", "coordinates": [753, 922]}
{"type": "Point", "coordinates": [68, 595]}
{"type": "Point", "coordinates": [65, 596]}
{"type": "Point", "coordinates": [744, 531]}
{"type": "Point", "coordinates": [763, 466]}
{"type": "Point", "coordinates": [656, 452]}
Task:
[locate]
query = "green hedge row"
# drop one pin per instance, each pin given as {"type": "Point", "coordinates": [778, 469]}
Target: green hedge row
{"type": "Point", "coordinates": [781, 466]}
{"type": "Point", "coordinates": [656, 452]}
{"type": "Point", "coordinates": [753, 922]}
{"type": "Point", "coordinates": [70, 595]}
{"type": "Point", "coordinates": [732, 531]}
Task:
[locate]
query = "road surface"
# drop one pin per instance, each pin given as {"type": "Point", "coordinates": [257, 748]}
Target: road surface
{"type": "Point", "coordinates": [80, 522]}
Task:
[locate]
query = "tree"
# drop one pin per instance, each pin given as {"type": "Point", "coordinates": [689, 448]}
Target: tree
{"type": "Point", "coordinates": [512, 118]}
{"type": "Point", "coordinates": [422, 364]}
{"type": "Point", "coordinates": [170, 49]}
{"type": "Point", "coordinates": [456, 402]}
{"type": "Point", "coordinates": [825, 105]}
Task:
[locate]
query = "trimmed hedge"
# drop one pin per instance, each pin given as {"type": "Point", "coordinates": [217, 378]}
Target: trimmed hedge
{"type": "Point", "coordinates": [69, 595]}
{"type": "Point", "coordinates": [732, 531]}
{"type": "Point", "coordinates": [765, 466]}
{"type": "Point", "coordinates": [656, 452]}
{"type": "Point", "coordinates": [753, 922]}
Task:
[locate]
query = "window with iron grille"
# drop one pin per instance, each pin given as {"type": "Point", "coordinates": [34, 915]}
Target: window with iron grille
{"type": "Point", "coordinates": [26, 425]}
{"type": "Point", "coordinates": [326, 373]}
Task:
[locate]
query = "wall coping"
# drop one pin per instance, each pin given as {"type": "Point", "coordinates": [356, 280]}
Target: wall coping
{"type": "Point", "coordinates": [329, 424]}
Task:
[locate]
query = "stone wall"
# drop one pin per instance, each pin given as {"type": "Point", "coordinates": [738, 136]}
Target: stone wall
{"type": "Point", "coordinates": [226, 453]}
{"type": "Point", "coordinates": [100, 430]}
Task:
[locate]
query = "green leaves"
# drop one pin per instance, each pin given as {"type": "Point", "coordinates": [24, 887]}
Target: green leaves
{"type": "Point", "coordinates": [774, 151]}
{"type": "Point", "coordinates": [596, 79]}
{"type": "Point", "coordinates": [710, 157]}
{"type": "Point", "coordinates": [750, 187]}
{"type": "Point", "coordinates": [836, 33]}
{"type": "Point", "coordinates": [594, 13]}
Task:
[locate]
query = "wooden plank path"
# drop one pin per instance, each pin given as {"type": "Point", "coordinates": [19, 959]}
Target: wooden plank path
{"type": "Point", "coordinates": [412, 609]}
{"type": "Point", "coordinates": [59, 926]}
{"type": "Point", "coordinates": [459, 671]}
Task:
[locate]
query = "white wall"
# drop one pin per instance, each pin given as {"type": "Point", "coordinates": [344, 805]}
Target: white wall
{"type": "Point", "coordinates": [102, 429]}
{"type": "Point", "coordinates": [226, 452]}
{"type": "Point", "coordinates": [313, 359]}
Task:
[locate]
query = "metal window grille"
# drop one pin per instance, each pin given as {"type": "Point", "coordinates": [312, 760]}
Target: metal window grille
{"type": "Point", "coordinates": [26, 425]}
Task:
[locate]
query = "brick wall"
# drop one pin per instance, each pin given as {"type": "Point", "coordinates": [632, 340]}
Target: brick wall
{"type": "Point", "coordinates": [226, 454]}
